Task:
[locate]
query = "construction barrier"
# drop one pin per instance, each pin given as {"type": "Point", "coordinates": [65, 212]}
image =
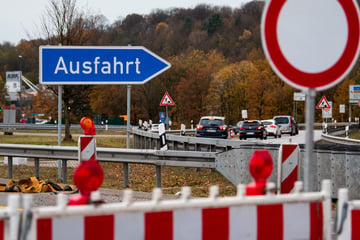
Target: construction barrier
{"type": "Point", "coordinates": [347, 220]}
{"type": "Point", "coordinates": [296, 215]}
{"type": "Point", "coordinates": [288, 167]}
{"type": "Point", "coordinates": [11, 217]}
{"type": "Point", "coordinates": [87, 148]}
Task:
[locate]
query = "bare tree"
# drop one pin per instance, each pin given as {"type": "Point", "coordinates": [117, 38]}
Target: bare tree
{"type": "Point", "coordinates": [64, 25]}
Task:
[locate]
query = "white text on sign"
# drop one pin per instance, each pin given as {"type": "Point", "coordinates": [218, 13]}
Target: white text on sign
{"type": "Point", "coordinates": [97, 67]}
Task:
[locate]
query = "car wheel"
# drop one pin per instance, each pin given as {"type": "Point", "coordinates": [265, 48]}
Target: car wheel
{"type": "Point", "coordinates": [275, 136]}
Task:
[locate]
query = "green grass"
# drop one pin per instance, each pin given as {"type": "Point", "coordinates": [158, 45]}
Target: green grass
{"type": "Point", "coordinates": [142, 177]}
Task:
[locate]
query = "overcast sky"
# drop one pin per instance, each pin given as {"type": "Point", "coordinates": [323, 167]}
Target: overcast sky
{"type": "Point", "coordinates": [19, 17]}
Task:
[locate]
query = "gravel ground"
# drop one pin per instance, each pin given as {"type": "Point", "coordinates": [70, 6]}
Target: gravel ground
{"type": "Point", "coordinates": [108, 196]}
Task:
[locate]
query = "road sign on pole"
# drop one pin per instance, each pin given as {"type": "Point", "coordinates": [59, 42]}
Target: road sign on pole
{"type": "Point", "coordinates": [166, 100]}
{"type": "Point", "coordinates": [311, 44]}
{"type": "Point", "coordinates": [323, 104]}
{"type": "Point", "coordinates": [61, 65]}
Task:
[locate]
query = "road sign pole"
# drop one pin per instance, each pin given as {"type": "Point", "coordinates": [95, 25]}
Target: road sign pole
{"type": "Point", "coordinates": [126, 165]}
{"type": "Point", "coordinates": [167, 118]}
{"type": "Point", "coordinates": [309, 137]}
{"type": "Point", "coordinates": [59, 126]}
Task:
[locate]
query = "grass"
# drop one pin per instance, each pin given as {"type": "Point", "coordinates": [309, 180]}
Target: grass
{"type": "Point", "coordinates": [142, 177]}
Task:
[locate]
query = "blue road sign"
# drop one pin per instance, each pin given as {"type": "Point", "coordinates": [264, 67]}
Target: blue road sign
{"type": "Point", "coordinates": [162, 117]}
{"type": "Point", "coordinates": [60, 65]}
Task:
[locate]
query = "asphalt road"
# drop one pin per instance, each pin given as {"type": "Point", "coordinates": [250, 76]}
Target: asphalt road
{"type": "Point", "coordinates": [285, 138]}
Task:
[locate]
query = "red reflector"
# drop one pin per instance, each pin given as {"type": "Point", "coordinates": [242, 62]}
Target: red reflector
{"type": "Point", "coordinates": [272, 126]}
{"type": "Point", "coordinates": [242, 128]}
{"type": "Point", "coordinates": [258, 127]}
{"type": "Point", "coordinates": [200, 127]}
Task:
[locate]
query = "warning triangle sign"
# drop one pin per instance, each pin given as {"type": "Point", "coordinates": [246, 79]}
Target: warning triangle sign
{"type": "Point", "coordinates": [166, 100]}
{"type": "Point", "coordinates": [323, 104]}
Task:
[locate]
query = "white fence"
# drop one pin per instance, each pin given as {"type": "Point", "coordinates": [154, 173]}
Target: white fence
{"type": "Point", "coordinates": [297, 215]}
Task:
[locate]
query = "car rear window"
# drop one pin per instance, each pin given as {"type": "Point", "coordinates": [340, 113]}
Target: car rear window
{"type": "Point", "coordinates": [282, 120]}
{"type": "Point", "coordinates": [211, 122]}
{"type": "Point", "coordinates": [251, 124]}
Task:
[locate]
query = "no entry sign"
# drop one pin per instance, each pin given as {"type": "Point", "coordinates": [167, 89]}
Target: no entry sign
{"type": "Point", "coordinates": [311, 44]}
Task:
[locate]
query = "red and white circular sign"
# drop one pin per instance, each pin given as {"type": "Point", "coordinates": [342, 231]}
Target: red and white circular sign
{"type": "Point", "coordinates": [311, 44]}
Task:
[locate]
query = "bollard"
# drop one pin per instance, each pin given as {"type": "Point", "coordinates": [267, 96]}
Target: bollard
{"type": "Point", "coordinates": [89, 175]}
{"type": "Point", "coordinates": [260, 167]}
{"type": "Point", "coordinates": [182, 129]}
{"type": "Point", "coordinates": [347, 131]}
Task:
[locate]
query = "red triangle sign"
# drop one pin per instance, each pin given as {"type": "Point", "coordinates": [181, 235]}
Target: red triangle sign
{"type": "Point", "coordinates": [323, 104]}
{"type": "Point", "coordinates": [166, 100]}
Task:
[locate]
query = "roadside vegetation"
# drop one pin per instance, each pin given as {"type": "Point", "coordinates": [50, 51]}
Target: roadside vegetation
{"type": "Point", "coordinates": [142, 177]}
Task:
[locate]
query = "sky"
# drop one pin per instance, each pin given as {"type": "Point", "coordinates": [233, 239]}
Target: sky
{"type": "Point", "coordinates": [20, 19]}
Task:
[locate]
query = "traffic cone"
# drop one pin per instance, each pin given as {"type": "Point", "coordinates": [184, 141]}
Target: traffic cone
{"type": "Point", "coordinates": [231, 133]}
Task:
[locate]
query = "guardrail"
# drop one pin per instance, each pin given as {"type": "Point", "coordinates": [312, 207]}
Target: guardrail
{"type": "Point", "coordinates": [33, 126]}
{"type": "Point", "coordinates": [153, 157]}
{"type": "Point", "coordinates": [340, 163]}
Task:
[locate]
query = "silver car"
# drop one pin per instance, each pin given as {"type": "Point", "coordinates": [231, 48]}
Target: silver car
{"type": "Point", "coordinates": [287, 124]}
{"type": "Point", "coordinates": [272, 128]}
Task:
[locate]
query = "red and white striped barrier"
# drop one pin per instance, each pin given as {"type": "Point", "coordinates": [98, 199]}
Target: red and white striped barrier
{"type": "Point", "coordinates": [291, 216]}
{"type": "Point", "coordinates": [10, 217]}
{"type": "Point", "coordinates": [288, 167]}
{"type": "Point", "coordinates": [87, 148]}
{"type": "Point", "coordinates": [348, 217]}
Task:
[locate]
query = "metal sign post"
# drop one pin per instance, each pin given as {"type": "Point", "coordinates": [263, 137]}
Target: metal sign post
{"type": "Point", "coordinates": [166, 101]}
{"type": "Point", "coordinates": [315, 64]}
{"type": "Point", "coordinates": [309, 137]}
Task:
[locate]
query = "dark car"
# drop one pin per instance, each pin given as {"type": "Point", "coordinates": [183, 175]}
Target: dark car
{"type": "Point", "coordinates": [212, 127]}
{"type": "Point", "coordinates": [252, 129]}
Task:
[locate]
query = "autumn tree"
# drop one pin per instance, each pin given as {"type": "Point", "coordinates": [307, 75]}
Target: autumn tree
{"type": "Point", "coordinates": [199, 69]}
{"type": "Point", "coordinates": [342, 97]}
{"type": "Point", "coordinates": [227, 91]}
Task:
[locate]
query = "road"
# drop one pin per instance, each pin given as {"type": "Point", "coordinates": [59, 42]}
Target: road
{"type": "Point", "coordinates": [285, 138]}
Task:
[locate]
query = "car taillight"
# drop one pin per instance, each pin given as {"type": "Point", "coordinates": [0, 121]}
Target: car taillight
{"type": "Point", "coordinates": [259, 127]}
{"type": "Point", "coordinates": [242, 128]}
{"type": "Point", "coordinates": [223, 127]}
{"type": "Point", "coordinates": [200, 127]}
{"type": "Point", "coordinates": [272, 126]}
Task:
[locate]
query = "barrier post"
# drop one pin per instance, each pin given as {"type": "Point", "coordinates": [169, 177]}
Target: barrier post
{"type": "Point", "coordinates": [288, 167]}
{"type": "Point", "coordinates": [89, 175]}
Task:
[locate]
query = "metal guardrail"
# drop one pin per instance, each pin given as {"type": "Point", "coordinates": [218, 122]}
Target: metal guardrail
{"type": "Point", "coordinates": [33, 126]}
{"type": "Point", "coordinates": [141, 156]}
{"type": "Point", "coordinates": [336, 162]}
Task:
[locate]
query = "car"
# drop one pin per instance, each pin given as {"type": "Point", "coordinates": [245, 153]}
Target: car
{"type": "Point", "coordinates": [272, 128]}
{"type": "Point", "coordinates": [287, 124]}
{"type": "Point", "coordinates": [154, 127]}
{"type": "Point", "coordinates": [236, 128]}
{"type": "Point", "coordinates": [212, 127]}
{"type": "Point", "coordinates": [252, 129]}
